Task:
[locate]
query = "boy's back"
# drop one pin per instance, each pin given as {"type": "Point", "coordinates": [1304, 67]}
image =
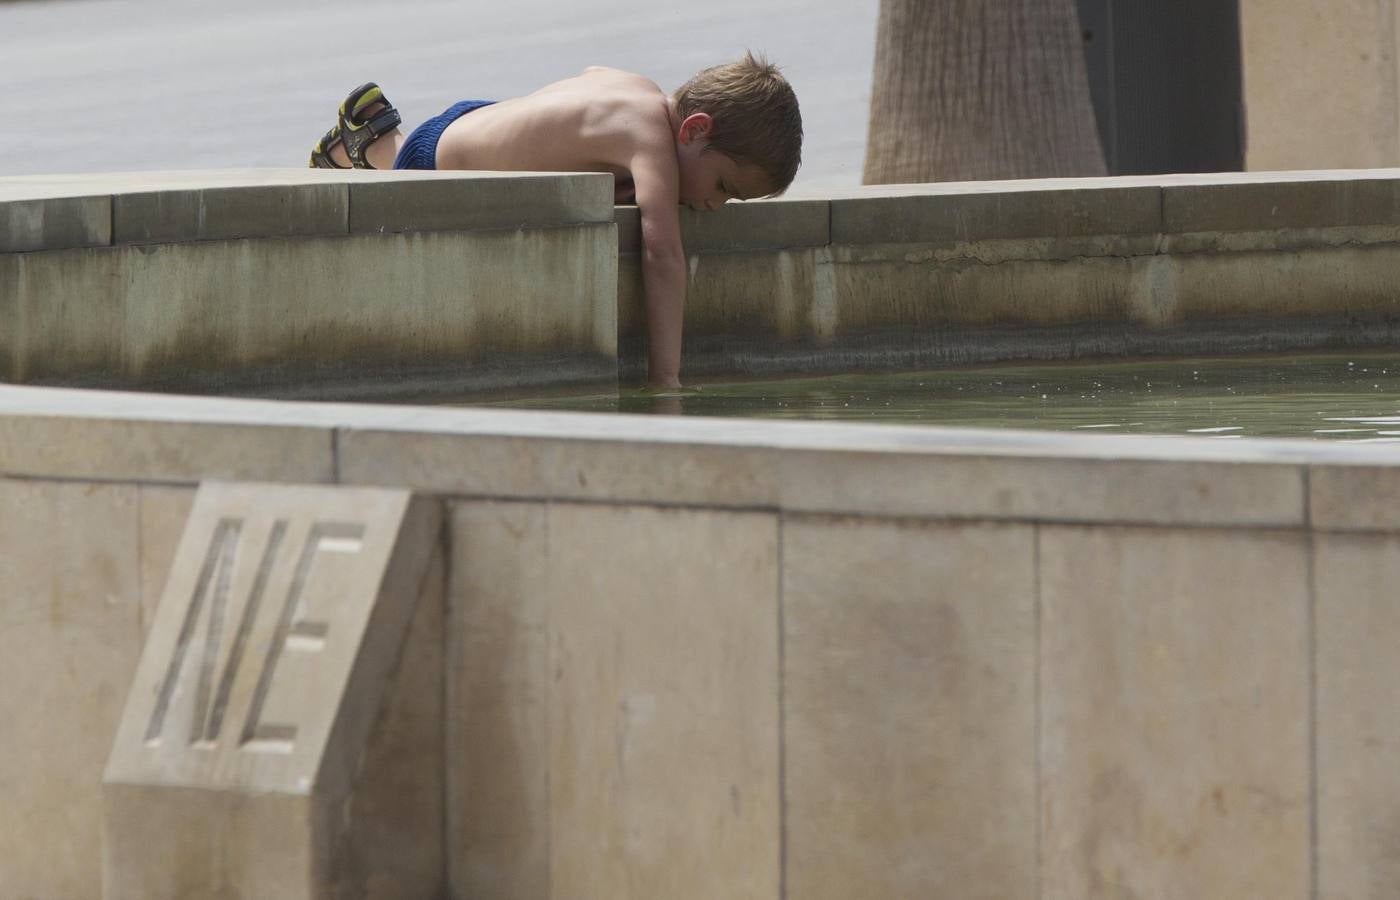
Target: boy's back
{"type": "Point", "coordinates": [593, 122]}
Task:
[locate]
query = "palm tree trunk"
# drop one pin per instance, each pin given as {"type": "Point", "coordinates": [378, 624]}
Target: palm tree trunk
{"type": "Point", "coordinates": [980, 89]}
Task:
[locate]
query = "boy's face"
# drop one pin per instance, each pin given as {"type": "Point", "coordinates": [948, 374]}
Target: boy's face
{"type": "Point", "coordinates": [708, 177]}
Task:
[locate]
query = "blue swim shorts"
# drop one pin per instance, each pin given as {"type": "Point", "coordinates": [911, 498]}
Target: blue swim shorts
{"type": "Point", "coordinates": [420, 150]}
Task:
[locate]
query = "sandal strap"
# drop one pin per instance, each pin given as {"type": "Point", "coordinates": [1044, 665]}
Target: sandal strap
{"type": "Point", "coordinates": [386, 121]}
{"type": "Point", "coordinates": [357, 135]}
{"type": "Point", "coordinates": [321, 154]}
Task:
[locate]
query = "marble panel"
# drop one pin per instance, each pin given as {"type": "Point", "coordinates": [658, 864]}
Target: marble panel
{"type": "Point", "coordinates": [70, 637]}
{"type": "Point", "coordinates": [909, 672]}
{"type": "Point", "coordinates": [1174, 690]}
{"type": "Point", "coordinates": [1358, 720]}
{"type": "Point", "coordinates": [1355, 498]}
{"type": "Point", "coordinates": [162, 451]}
{"type": "Point", "coordinates": [498, 690]}
{"type": "Point", "coordinates": [663, 637]}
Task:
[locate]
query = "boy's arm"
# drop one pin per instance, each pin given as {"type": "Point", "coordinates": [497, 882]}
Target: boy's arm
{"type": "Point", "coordinates": [656, 179]}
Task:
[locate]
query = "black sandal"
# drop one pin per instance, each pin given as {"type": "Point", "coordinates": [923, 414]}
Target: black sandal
{"type": "Point", "coordinates": [355, 132]}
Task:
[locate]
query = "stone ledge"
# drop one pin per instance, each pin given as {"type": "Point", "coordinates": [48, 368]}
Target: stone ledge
{"type": "Point", "coordinates": [1265, 206]}
{"type": "Point", "coordinates": [163, 452]}
{"type": "Point", "coordinates": [59, 212]}
{"type": "Point", "coordinates": [1355, 498]}
{"type": "Point", "coordinates": [1159, 204]}
{"type": "Point", "coordinates": [444, 310]}
{"type": "Point", "coordinates": [956, 216]}
{"type": "Point", "coordinates": [1136, 210]}
{"type": "Point", "coordinates": [169, 217]}
{"type": "Point", "coordinates": [481, 201]}
{"type": "Point", "coordinates": [798, 467]}
{"type": "Point", "coordinates": [27, 225]}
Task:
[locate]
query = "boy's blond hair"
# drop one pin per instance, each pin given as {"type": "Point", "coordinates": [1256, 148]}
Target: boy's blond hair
{"type": "Point", "coordinates": [756, 119]}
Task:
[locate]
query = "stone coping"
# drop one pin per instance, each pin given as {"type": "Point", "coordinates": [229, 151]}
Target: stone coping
{"type": "Point", "coordinates": [810, 467]}
{"type": "Point", "coordinates": [1045, 208]}
{"type": "Point", "coordinates": [54, 212]}
{"type": "Point", "coordinates": [47, 212]}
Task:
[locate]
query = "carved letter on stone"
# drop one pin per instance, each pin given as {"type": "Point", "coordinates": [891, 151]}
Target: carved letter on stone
{"type": "Point", "coordinates": [258, 632]}
{"type": "Point", "coordinates": [239, 756]}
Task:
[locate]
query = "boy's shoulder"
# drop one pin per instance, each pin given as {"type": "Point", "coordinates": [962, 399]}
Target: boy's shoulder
{"type": "Point", "coordinates": [602, 87]}
{"type": "Point", "coordinates": [619, 102]}
{"type": "Point", "coordinates": [610, 75]}
{"type": "Point", "coordinates": [617, 86]}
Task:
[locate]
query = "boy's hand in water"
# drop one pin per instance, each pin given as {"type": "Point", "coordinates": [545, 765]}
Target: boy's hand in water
{"type": "Point", "coordinates": [664, 384]}
{"type": "Point", "coordinates": [668, 401]}
{"type": "Point", "coordinates": [673, 390]}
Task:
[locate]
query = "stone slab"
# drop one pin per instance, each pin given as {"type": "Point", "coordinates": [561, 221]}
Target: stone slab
{"type": "Point", "coordinates": [54, 223]}
{"type": "Point", "coordinates": [884, 469]}
{"type": "Point", "coordinates": [829, 468]}
{"type": "Point", "coordinates": [1354, 498]}
{"type": "Point", "coordinates": [393, 846]}
{"type": "Point", "coordinates": [909, 307]}
{"type": "Point", "coordinates": [1020, 211]}
{"type": "Point", "coordinates": [749, 225]}
{"type": "Point", "coordinates": [281, 623]}
{"type": "Point", "coordinates": [1181, 493]}
{"type": "Point", "coordinates": [70, 636]}
{"type": "Point", "coordinates": [418, 312]}
{"type": "Point", "coordinates": [228, 213]}
{"type": "Point", "coordinates": [1282, 204]}
{"type": "Point", "coordinates": [169, 451]}
{"type": "Point", "coordinates": [484, 201]}
{"type": "Point", "coordinates": [498, 688]}
{"type": "Point", "coordinates": [262, 845]}
{"type": "Point", "coordinates": [508, 466]}
{"type": "Point", "coordinates": [1313, 298]}
{"type": "Point", "coordinates": [885, 289]}
{"type": "Point", "coordinates": [1174, 713]}
{"type": "Point", "coordinates": [1358, 725]}
{"type": "Point", "coordinates": [909, 673]}
{"type": "Point", "coordinates": [187, 205]}
{"type": "Point", "coordinates": [664, 778]}
{"type": "Point", "coordinates": [28, 187]}
{"type": "Point", "coordinates": [606, 698]}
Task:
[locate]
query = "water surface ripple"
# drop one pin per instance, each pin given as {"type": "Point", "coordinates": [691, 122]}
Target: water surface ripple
{"type": "Point", "coordinates": [1353, 397]}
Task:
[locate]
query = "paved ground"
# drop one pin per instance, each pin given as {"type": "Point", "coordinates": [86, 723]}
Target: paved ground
{"type": "Point", "coordinates": [121, 85]}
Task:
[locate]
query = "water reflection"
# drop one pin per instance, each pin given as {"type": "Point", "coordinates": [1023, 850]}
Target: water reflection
{"type": "Point", "coordinates": [1336, 397]}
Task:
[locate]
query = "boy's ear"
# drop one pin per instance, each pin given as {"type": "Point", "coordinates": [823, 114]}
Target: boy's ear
{"type": "Point", "coordinates": [695, 125]}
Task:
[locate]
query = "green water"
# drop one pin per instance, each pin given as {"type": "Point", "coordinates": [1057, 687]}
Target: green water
{"type": "Point", "coordinates": [1336, 396]}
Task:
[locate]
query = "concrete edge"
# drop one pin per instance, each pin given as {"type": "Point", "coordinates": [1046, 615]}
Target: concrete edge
{"type": "Point", "coordinates": [798, 466]}
{"type": "Point", "coordinates": [61, 213]}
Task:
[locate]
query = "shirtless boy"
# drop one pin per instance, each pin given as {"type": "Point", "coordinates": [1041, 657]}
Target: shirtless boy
{"type": "Point", "coordinates": [732, 132]}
